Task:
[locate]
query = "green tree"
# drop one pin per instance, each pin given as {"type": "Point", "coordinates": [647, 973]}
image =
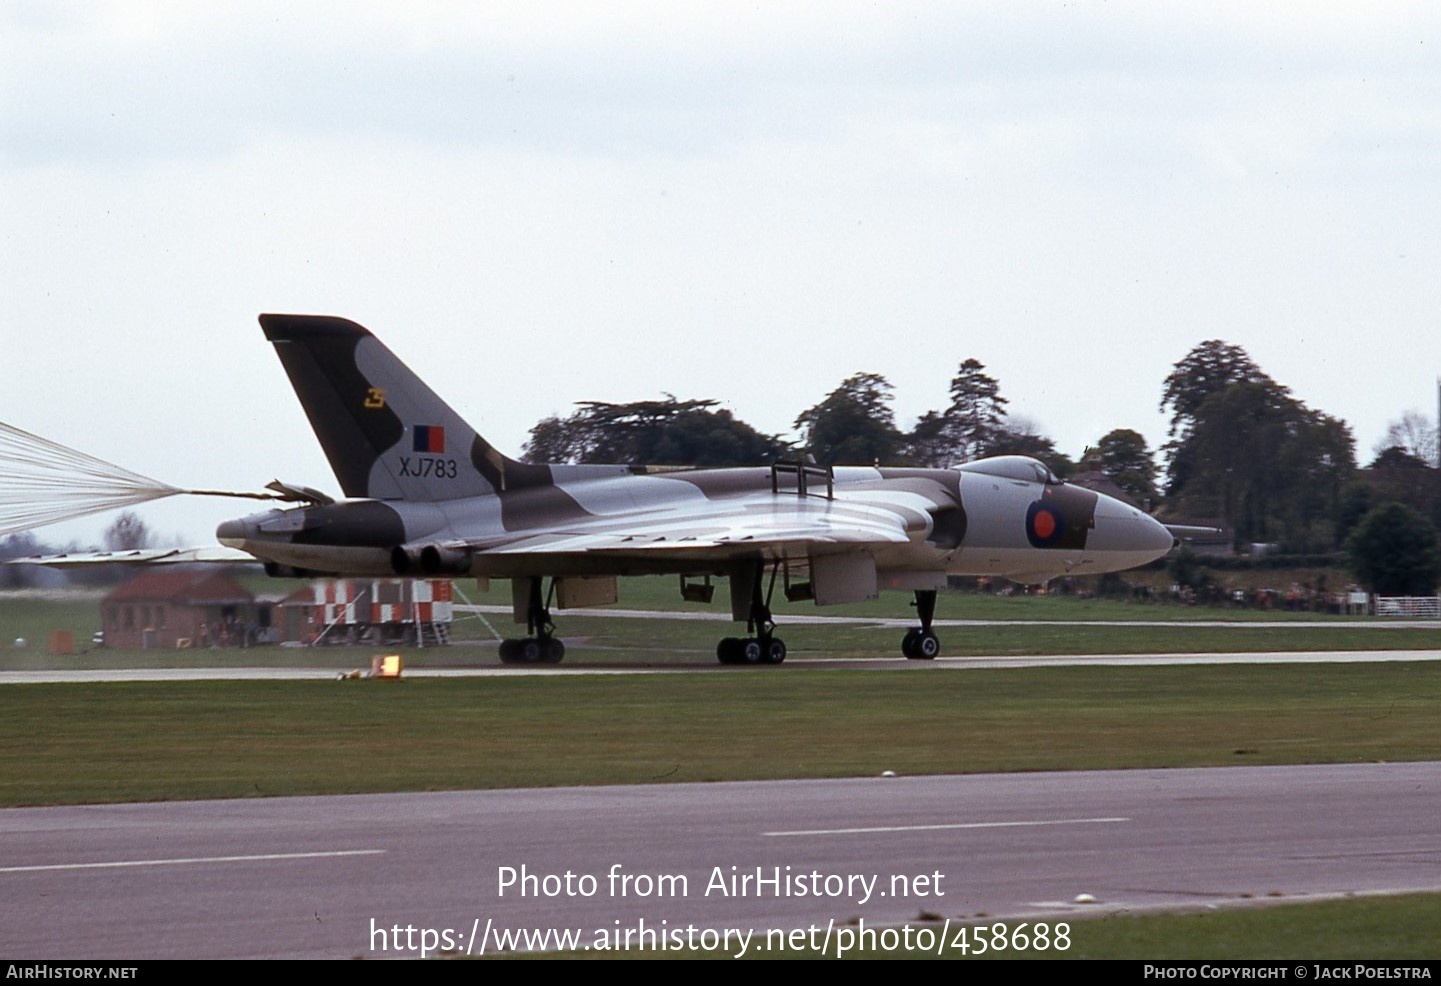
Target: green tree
{"type": "Point", "coordinates": [1393, 551]}
{"type": "Point", "coordinates": [929, 442]}
{"type": "Point", "coordinates": [1184, 567]}
{"type": "Point", "coordinates": [1207, 369]}
{"type": "Point", "coordinates": [710, 439]}
{"type": "Point", "coordinates": [1018, 435]}
{"type": "Point", "coordinates": [1234, 438]}
{"type": "Point", "coordinates": [1316, 460]}
{"type": "Point", "coordinates": [1128, 462]}
{"type": "Point", "coordinates": [977, 409]}
{"type": "Point", "coordinates": [667, 432]}
{"type": "Point", "coordinates": [854, 425]}
{"type": "Point", "coordinates": [1356, 502]}
{"type": "Point", "coordinates": [1398, 474]}
{"type": "Point", "coordinates": [973, 425]}
{"type": "Point", "coordinates": [556, 439]}
{"type": "Point", "coordinates": [1249, 452]}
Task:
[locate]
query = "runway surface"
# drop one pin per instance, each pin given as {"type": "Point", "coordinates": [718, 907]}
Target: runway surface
{"type": "Point", "coordinates": [705, 665]}
{"type": "Point", "coordinates": [347, 876]}
{"type": "Point", "coordinates": [618, 613]}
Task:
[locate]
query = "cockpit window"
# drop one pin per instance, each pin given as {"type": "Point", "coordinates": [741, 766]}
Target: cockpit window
{"type": "Point", "coordinates": [1018, 467]}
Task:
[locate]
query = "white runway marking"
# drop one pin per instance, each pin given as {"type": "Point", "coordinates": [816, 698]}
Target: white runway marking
{"type": "Point", "coordinates": [1389, 623]}
{"type": "Point", "coordinates": [957, 825]}
{"type": "Point", "coordinates": [118, 864]}
{"type": "Point", "coordinates": [796, 662]}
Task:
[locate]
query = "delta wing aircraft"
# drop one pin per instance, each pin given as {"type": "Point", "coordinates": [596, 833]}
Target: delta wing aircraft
{"type": "Point", "coordinates": [425, 494]}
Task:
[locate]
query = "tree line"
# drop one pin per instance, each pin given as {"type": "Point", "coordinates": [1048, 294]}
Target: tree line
{"type": "Point", "coordinates": [1242, 452]}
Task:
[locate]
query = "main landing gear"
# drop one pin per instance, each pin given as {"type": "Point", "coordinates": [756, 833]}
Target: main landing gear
{"type": "Point", "coordinates": [763, 647]}
{"type": "Point", "coordinates": [920, 643]}
{"type": "Point", "coordinates": [541, 647]}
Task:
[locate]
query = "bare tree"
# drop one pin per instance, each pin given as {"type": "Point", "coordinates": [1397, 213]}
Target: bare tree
{"type": "Point", "coordinates": [1414, 434]}
{"type": "Point", "coordinates": [127, 533]}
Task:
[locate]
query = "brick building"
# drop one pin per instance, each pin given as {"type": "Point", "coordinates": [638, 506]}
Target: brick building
{"type": "Point", "coordinates": [178, 607]}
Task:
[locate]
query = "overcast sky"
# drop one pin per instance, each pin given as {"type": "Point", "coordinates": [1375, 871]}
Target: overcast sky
{"type": "Point", "coordinates": [535, 204]}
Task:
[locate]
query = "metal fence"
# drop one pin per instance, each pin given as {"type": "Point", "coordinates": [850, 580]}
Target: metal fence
{"type": "Point", "coordinates": [1408, 606]}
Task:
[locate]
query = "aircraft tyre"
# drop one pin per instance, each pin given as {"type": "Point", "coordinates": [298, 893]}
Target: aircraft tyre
{"type": "Point", "coordinates": [751, 650]}
{"type": "Point", "coordinates": [920, 645]}
{"type": "Point", "coordinates": [775, 650]}
{"type": "Point", "coordinates": [530, 650]}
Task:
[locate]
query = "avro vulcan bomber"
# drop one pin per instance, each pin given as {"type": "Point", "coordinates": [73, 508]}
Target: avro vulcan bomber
{"type": "Point", "coordinates": [426, 495]}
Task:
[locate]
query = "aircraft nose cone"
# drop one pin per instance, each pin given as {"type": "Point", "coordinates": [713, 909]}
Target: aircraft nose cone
{"type": "Point", "coordinates": [1125, 529]}
{"type": "Point", "coordinates": [231, 533]}
{"type": "Point", "coordinates": [1143, 533]}
{"type": "Point", "coordinates": [1157, 537]}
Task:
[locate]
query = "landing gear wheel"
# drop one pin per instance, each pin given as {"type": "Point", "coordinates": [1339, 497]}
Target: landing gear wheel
{"type": "Point", "coordinates": [541, 648]}
{"type": "Point", "coordinates": [553, 651]}
{"type": "Point", "coordinates": [920, 645]}
{"type": "Point", "coordinates": [775, 650]}
{"type": "Point", "coordinates": [763, 648]}
{"type": "Point", "coordinates": [532, 650]}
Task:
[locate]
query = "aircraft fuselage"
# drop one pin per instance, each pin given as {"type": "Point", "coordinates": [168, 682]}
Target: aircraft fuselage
{"type": "Point", "coordinates": [966, 521]}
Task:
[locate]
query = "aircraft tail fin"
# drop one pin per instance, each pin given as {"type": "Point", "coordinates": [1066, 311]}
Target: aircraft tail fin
{"type": "Point", "coordinates": [387, 435]}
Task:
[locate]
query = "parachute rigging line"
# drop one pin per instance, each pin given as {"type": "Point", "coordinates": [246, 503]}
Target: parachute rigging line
{"type": "Point", "coordinates": [43, 482]}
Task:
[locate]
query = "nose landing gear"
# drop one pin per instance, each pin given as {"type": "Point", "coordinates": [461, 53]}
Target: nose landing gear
{"type": "Point", "coordinates": [920, 643]}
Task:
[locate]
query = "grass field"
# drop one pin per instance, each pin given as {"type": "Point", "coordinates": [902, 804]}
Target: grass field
{"type": "Point", "coordinates": [1034, 625]}
{"type": "Point", "coordinates": [169, 740]}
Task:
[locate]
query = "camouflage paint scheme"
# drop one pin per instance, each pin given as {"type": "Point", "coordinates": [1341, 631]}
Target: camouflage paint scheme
{"type": "Point", "coordinates": [425, 493]}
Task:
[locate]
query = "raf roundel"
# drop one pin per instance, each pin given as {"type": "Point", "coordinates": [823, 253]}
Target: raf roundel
{"type": "Point", "coordinates": [1044, 525]}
